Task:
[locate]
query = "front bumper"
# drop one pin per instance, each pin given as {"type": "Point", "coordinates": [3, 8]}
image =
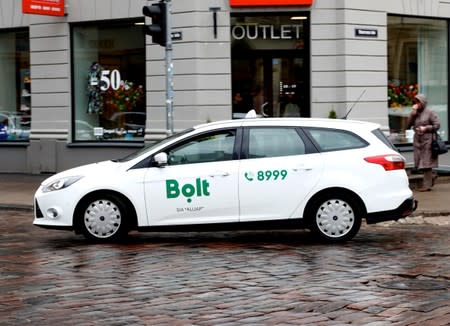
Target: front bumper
{"type": "Point", "coordinates": [405, 209]}
{"type": "Point", "coordinates": [53, 210]}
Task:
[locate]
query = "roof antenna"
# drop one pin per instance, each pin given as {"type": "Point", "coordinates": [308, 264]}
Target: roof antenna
{"type": "Point", "coordinates": [353, 105]}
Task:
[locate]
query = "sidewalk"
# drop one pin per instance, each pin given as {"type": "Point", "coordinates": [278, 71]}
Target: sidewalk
{"type": "Point", "coordinates": [17, 191]}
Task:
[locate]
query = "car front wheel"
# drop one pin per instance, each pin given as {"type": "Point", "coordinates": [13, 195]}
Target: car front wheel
{"type": "Point", "coordinates": [335, 218]}
{"type": "Point", "coordinates": [102, 218]}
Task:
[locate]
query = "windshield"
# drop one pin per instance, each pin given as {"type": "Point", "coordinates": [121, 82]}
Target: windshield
{"type": "Point", "coordinates": [152, 146]}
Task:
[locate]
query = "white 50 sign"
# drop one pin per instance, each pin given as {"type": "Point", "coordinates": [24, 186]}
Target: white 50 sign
{"type": "Point", "coordinates": [108, 79]}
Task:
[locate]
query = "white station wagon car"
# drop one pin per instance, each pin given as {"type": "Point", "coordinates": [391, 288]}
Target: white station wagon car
{"type": "Point", "coordinates": [322, 174]}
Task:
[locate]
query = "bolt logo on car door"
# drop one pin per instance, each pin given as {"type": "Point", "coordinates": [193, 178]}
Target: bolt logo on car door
{"type": "Point", "coordinates": [266, 175]}
{"type": "Point", "coordinates": [200, 188]}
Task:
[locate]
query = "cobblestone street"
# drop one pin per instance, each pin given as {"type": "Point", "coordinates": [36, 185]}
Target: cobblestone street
{"type": "Point", "coordinates": [390, 274]}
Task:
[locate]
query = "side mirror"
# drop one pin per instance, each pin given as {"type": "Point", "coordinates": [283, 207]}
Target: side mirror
{"type": "Point", "coordinates": [160, 159]}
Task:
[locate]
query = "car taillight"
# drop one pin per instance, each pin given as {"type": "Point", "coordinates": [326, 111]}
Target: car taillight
{"type": "Point", "coordinates": [389, 162]}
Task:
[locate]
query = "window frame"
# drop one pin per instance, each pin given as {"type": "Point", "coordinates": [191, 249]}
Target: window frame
{"type": "Point", "coordinates": [73, 142]}
{"type": "Point", "coordinates": [16, 114]}
{"type": "Point", "coordinates": [399, 143]}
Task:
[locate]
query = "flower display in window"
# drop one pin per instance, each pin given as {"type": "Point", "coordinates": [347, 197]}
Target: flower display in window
{"type": "Point", "coordinates": [126, 98]}
{"type": "Point", "coordinates": [401, 95]}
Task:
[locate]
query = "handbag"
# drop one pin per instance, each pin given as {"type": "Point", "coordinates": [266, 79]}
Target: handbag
{"type": "Point", "coordinates": [438, 146]}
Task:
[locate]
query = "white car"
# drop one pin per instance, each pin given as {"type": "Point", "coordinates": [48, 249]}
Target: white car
{"type": "Point", "coordinates": [322, 174]}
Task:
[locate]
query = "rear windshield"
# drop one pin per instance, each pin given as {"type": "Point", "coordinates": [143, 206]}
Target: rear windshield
{"type": "Point", "coordinates": [381, 136]}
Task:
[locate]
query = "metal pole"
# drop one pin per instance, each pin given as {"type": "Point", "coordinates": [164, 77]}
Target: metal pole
{"type": "Point", "coordinates": [169, 69]}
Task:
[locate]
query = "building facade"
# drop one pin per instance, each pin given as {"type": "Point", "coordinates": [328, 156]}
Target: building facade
{"type": "Point", "coordinates": [90, 85]}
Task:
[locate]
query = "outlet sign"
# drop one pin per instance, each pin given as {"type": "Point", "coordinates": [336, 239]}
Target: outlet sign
{"type": "Point", "coordinates": [43, 7]}
{"type": "Point", "coordinates": [260, 3]}
{"type": "Point", "coordinates": [271, 32]}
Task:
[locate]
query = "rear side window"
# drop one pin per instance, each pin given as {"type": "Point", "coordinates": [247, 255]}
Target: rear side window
{"type": "Point", "coordinates": [274, 142]}
{"type": "Point", "coordinates": [335, 140]}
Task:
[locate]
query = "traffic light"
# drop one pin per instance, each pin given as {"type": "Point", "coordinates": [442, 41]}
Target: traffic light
{"type": "Point", "coordinates": [158, 27]}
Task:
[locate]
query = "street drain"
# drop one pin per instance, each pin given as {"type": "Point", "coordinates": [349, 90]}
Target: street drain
{"type": "Point", "coordinates": [416, 283]}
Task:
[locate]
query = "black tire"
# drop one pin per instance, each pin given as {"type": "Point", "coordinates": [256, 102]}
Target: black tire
{"type": "Point", "coordinates": [335, 217]}
{"type": "Point", "coordinates": [102, 218]}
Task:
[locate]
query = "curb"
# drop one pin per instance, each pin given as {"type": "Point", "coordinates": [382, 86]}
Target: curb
{"type": "Point", "coordinates": [419, 220]}
{"type": "Point", "coordinates": [16, 207]}
{"type": "Point", "coordinates": [430, 213]}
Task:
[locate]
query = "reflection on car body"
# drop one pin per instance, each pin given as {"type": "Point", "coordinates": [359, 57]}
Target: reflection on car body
{"type": "Point", "coordinates": [323, 174]}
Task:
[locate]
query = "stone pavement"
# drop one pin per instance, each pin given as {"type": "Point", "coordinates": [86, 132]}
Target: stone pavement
{"type": "Point", "coordinates": [396, 275]}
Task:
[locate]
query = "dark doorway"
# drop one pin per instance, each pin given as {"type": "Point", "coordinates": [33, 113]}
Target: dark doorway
{"type": "Point", "coordinates": [270, 75]}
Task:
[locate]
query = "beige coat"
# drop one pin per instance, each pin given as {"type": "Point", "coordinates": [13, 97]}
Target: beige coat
{"type": "Point", "coordinates": [422, 143]}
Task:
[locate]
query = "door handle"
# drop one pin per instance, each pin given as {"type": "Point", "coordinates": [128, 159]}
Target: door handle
{"type": "Point", "coordinates": [219, 174]}
{"type": "Point", "coordinates": [304, 167]}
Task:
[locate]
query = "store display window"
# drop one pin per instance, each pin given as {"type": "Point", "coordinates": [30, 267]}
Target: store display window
{"type": "Point", "coordinates": [108, 82]}
{"type": "Point", "coordinates": [417, 63]}
{"type": "Point", "coordinates": [15, 86]}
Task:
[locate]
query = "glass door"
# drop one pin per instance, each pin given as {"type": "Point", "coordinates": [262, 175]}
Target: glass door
{"type": "Point", "coordinates": [270, 64]}
{"type": "Point", "coordinates": [273, 85]}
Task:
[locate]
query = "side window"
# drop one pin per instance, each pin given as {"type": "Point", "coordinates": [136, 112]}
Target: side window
{"type": "Point", "coordinates": [335, 140]}
{"type": "Point", "coordinates": [211, 147]}
{"type": "Point", "coordinates": [274, 142]}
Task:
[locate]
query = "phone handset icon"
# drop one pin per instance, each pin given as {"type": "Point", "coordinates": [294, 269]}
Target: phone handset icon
{"type": "Point", "coordinates": [248, 176]}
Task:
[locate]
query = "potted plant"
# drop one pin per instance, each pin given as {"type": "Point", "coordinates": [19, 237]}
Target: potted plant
{"type": "Point", "coordinates": [332, 114]}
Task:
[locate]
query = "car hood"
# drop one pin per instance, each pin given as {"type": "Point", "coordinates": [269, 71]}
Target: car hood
{"type": "Point", "coordinates": [97, 169]}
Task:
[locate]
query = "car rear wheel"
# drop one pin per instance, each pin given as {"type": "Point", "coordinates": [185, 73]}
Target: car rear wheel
{"type": "Point", "coordinates": [102, 218]}
{"type": "Point", "coordinates": [335, 217]}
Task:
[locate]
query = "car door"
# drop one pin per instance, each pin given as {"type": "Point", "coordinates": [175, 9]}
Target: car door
{"type": "Point", "coordinates": [278, 173]}
{"type": "Point", "coordinates": [199, 183]}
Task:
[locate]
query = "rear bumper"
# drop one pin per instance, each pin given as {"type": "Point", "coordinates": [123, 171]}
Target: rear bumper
{"type": "Point", "coordinates": [405, 209]}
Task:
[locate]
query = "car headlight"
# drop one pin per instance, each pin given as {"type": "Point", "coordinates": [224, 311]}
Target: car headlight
{"type": "Point", "coordinates": [60, 183]}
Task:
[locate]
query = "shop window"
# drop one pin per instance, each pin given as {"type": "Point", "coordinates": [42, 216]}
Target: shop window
{"type": "Point", "coordinates": [109, 82]}
{"type": "Point", "coordinates": [417, 63]}
{"type": "Point", "coordinates": [15, 86]}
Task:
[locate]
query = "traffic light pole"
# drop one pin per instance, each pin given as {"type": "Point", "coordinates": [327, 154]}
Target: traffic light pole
{"type": "Point", "coordinates": [169, 69]}
{"type": "Point", "coordinates": [161, 31]}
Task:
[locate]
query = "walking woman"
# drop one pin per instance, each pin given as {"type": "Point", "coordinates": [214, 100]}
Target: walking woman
{"type": "Point", "coordinates": [424, 123]}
